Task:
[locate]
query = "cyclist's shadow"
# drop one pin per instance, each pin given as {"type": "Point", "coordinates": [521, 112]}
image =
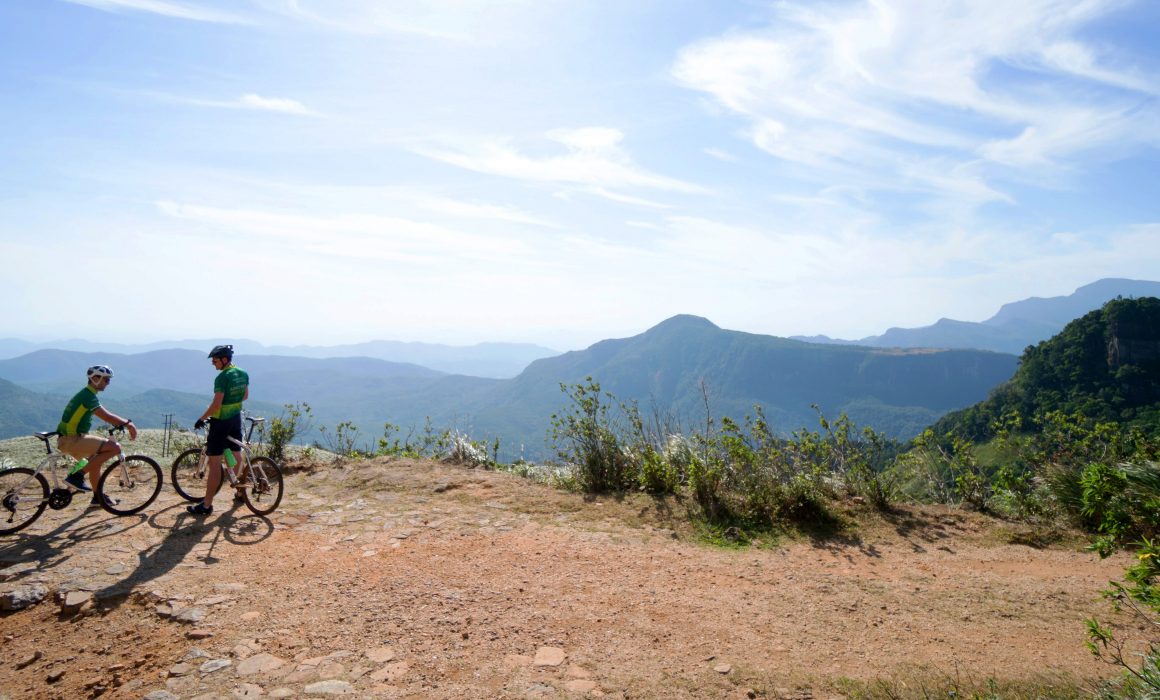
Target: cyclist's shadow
{"type": "Point", "coordinates": [186, 534]}
{"type": "Point", "coordinates": [49, 550]}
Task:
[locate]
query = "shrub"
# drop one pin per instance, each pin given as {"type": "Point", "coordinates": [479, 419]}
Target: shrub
{"type": "Point", "coordinates": [278, 433]}
{"type": "Point", "coordinates": [585, 436]}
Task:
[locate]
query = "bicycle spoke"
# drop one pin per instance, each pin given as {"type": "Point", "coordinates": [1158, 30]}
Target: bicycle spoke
{"type": "Point", "coordinates": [129, 486]}
{"type": "Point", "coordinates": [188, 474]}
{"type": "Point", "coordinates": [264, 488]}
{"type": "Point", "coordinates": [23, 497]}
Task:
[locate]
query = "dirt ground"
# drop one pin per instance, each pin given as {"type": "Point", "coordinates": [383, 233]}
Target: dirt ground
{"type": "Point", "coordinates": [404, 579]}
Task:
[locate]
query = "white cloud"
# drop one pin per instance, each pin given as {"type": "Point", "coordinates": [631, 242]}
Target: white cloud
{"type": "Point", "coordinates": [592, 159]}
{"type": "Point", "coordinates": [861, 91]}
{"type": "Point", "coordinates": [471, 21]}
{"type": "Point", "coordinates": [273, 104]}
{"type": "Point", "coordinates": [248, 102]}
{"type": "Point", "coordinates": [164, 7]}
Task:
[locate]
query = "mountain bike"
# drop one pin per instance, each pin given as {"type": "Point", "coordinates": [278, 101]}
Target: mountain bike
{"type": "Point", "coordinates": [260, 477]}
{"type": "Point", "coordinates": [127, 486]}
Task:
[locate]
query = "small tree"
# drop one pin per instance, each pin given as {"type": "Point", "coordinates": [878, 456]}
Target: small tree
{"type": "Point", "coordinates": [585, 437]}
{"type": "Point", "coordinates": [280, 432]}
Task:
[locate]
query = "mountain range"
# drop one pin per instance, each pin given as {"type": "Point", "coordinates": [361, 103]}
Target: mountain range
{"type": "Point", "coordinates": [679, 372]}
{"type": "Point", "coordinates": [1015, 327]}
{"type": "Point", "coordinates": [496, 360]}
{"type": "Point", "coordinates": [673, 369]}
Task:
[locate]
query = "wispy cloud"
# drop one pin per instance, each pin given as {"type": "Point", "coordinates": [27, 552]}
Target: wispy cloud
{"type": "Point", "coordinates": [166, 8]}
{"type": "Point", "coordinates": [592, 159]}
{"type": "Point", "coordinates": [273, 104]}
{"type": "Point", "coordinates": [249, 101]}
{"type": "Point", "coordinates": [470, 21]}
{"type": "Point", "coordinates": [863, 91]}
{"type": "Point", "coordinates": [351, 235]}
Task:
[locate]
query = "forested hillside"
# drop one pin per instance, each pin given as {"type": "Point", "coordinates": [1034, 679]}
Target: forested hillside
{"type": "Point", "coordinates": [1104, 366]}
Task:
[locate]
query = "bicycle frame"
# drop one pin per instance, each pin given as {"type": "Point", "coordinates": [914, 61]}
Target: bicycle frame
{"type": "Point", "coordinates": [229, 472]}
{"type": "Point", "coordinates": [55, 458]}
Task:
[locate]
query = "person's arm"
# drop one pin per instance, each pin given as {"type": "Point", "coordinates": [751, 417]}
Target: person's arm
{"type": "Point", "coordinates": [214, 406]}
{"type": "Point", "coordinates": [114, 419]}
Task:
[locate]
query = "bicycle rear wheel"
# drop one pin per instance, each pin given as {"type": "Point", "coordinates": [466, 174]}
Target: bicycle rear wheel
{"type": "Point", "coordinates": [128, 487]}
{"type": "Point", "coordinates": [23, 497]}
{"type": "Point", "coordinates": [188, 474]}
{"type": "Point", "coordinates": [264, 491]}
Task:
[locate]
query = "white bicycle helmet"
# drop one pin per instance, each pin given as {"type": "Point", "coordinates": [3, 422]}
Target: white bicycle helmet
{"type": "Point", "coordinates": [100, 371]}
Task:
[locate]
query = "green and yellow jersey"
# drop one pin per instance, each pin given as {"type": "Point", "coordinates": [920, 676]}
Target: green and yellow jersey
{"type": "Point", "coordinates": [231, 382]}
{"type": "Point", "coordinates": [78, 414]}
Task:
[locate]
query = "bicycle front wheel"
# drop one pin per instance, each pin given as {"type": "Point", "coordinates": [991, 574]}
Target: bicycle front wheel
{"type": "Point", "coordinates": [128, 486]}
{"type": "Point", "coordinates": [264, 490]}
{"type": "Point", "coordinates": [188, 474]}
{"type": "Point", "coordinates": [23, 497]}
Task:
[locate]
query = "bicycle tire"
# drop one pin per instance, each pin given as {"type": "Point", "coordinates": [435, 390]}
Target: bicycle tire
{"type": "Point", "coordinates": [144, 483]}
{"type": "Point", "coordinates": [188, 475]}
{"type": "Point", "coordinates": [17, 494]}
{"type": "Point", "coordinates": [264, 492]}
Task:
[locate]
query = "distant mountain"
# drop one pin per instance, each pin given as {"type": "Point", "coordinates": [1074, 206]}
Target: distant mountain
{"type": "Point", "coordinates": [24, 412]}
{"type": "Point", "coordinates": [1105, 365]}
{"type": "Point", "coordinates": [898, 392]}
{"type": "Point", "coordinates": [282, 379]}
{"type": "Point", "coordinates": [497, 360]}
{"type": "Point", "coordinates": [1015, 327]}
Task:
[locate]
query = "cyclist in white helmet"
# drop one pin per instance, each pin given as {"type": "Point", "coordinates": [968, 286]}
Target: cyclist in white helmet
{"type": "Point", "coordinates": [75, 423]}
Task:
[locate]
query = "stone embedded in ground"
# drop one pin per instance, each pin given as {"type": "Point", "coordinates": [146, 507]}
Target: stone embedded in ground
{"type": "Point", "coordinates": [29, 660]}
{"type": "Point", "coordinates": [16, 570]}
{"type": "Point", "coordinates": [549, 656]}
{"type": "Point", "coordinates": [246, 691]}
{"type": "Point", "coordinates": [215, 665]}
{"type": "Point", "coordinates": [160, 695]}
{"type": "Point", "coordinates": [23, 597]}
{"type": "Point", "coordinates": [722, 668]}
{"type": "Point", "coordinates": [190, 616]}
{"type": "Point", "coordinates": [381, 655]}
{"type": "Point", "coordinates": [580, 685]}
{"type": "Point", "coordinates": [329, 688]}
{"type": "Point", "coordinates": [259, 663]}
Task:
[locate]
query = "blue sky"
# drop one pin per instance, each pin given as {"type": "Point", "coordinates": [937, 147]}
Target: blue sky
{"type": "Point", "coordinates": [459, 171]}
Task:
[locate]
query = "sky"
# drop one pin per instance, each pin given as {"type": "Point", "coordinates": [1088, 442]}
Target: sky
{"type": "Point", "coordinates": [559, 172]}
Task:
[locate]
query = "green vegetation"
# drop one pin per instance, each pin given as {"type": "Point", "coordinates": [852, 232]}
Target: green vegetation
{"type": "Point", "coordinates": [1104, 366]}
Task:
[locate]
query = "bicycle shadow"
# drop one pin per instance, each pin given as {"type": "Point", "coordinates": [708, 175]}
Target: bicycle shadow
{"type": "Point", "coordinates": [185, 545]}
{"type": "Point", "coordinates": [49, 550]}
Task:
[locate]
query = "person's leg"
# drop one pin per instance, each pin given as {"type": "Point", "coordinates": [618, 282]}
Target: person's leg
{"type": "Point", "coordinates": [108, 450]}
{"type": "Point", "coordinates": [83, 447]}
{"type": "Point", "coordinates": [213, 479]}
{"type": "Point", "coordinates": [215, 441]}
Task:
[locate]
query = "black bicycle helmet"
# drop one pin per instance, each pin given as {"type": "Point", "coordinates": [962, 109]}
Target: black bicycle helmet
{"type": "Point", "coordinates": [226, 351]}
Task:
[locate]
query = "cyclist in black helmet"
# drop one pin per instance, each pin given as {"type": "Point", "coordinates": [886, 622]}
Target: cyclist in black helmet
{"type": "Point", "coordinates": [230, 389]}
{"type": "Point", "coordinates": [77, 420]}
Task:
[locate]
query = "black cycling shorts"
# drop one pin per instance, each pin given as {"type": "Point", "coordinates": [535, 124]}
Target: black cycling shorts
{"type": "Point", "coordinates": [220, 432]}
